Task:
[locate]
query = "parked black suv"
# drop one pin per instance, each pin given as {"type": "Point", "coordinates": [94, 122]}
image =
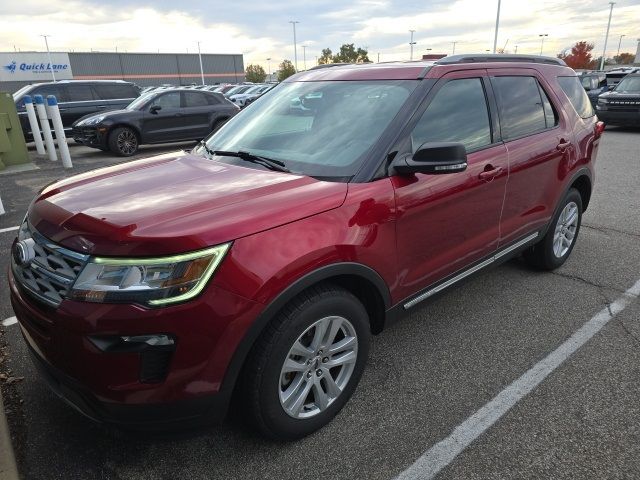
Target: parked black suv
{"type": "Point", "coordinates": [160, 116]}
{"type": "Point", "coordinates": [621, 106]}
{"type": "Point", "coordinates": [594, 84]}
{"type": "Point", "coordinates": [77, 98]}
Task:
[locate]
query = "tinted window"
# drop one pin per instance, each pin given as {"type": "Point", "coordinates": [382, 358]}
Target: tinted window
{"type": "Point", "coordinates": [113, 91]}
{"type": "Point", "coordinates": [457, 113]}
{"type": "Point", "coordinates": [57, 91]}
{"type": "Point", "coordinates": [79, 93]}
{"type": "Point", "coordinates": [629, 85]}
{"type": "Point", "coordinates": [520, 104]}
{"type": "Point", "coordinates": [550, 115]}
{"type": "Point", "coordinates": [195, 99]}
{"type": "Point", "coordinates": [577, 96]}
{"type": "Point", "coordinates": [167, 100]}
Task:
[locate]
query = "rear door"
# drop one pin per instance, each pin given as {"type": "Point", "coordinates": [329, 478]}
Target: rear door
{"type": "Point", "coordinates": [196, 115]}
{"type": "Point", "coordinates": [539, 143]}
{"type": "Point", "coordinates": [165, 124]}
{"type": "Point", "coordinates": [114, 96]}
{"type": "Point", "coordinates": [80, 102]}
{"type": "Point", "coordinates": [448, 222]}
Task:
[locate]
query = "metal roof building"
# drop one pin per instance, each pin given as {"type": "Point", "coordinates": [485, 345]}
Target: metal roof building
{"type": "Point", "coordinates": [22, 68]}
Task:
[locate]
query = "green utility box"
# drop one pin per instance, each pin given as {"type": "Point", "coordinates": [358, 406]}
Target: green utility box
{"type": "Point", "coordinates": [13, 148]}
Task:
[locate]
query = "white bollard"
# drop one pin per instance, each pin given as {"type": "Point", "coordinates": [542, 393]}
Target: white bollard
{"type": "Point", "coordinates": [33, 122]}
{"type": "Point", "coordinates": [46, 130]}
{"type": "Point", "coordinates": [54, 114]}
{"type": "Point", "coordinates": [1, 208]}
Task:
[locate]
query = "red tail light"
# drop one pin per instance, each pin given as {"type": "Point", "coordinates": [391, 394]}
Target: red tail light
{"type": "Point", "coordinates": [599, 129]}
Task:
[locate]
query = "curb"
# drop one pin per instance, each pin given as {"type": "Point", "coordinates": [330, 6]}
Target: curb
{"type": "Point", "coordinates": [8, 470]}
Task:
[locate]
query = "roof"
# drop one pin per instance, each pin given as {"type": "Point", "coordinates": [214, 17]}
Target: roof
{"type": "Point", "coordinates": [419, 69]}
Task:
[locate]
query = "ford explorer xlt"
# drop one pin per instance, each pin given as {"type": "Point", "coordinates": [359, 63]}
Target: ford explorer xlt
{"type": "Point", "coordinates": [253, 270]}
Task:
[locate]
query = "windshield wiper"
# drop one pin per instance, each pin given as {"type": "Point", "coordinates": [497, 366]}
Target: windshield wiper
{"type": "Point", "coordinates": [250, 157]}
{"type": "Point", "coordinates": [210, 152]}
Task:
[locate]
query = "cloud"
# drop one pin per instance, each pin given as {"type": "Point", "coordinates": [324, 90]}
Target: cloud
{"type": "Point", "coordinates": [261, 30]}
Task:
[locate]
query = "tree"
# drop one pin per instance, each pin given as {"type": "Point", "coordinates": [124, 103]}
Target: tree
{"type": "Point", "coordinates": [255, 74]}
{"type": "Point", "coordinates": [624, 58]}
{"type": "Point", "coordinates": [326, 57]}
{"type": "Point", "coordinates": [349, 54]}
{"type": "Point", "coordinates": [580, 56]}
{"type": "Point", "coordinates": [286, 69]}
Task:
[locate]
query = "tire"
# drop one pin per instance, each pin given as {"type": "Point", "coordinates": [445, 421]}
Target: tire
{"type": "Point", "coordinates": [123, 141]}
{"type": "Point", "coordinates": [274, 390]}
{"type": "Point", "coordinates": [556, 246]}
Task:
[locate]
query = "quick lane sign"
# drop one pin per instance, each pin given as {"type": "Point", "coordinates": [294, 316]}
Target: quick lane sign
{"type": "Point", "coordinates": [34, 66]}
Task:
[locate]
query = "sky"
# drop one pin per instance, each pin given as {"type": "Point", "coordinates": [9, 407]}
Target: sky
{"type": "Point", "coordinates": [261, 30]}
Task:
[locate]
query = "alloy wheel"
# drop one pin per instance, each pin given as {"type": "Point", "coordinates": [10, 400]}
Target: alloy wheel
{"type": "Point", "coordinates": [566, 228]}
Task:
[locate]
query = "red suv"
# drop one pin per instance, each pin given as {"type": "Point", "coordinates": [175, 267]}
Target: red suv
{"type": "Point", "coordinates": [254, 269]}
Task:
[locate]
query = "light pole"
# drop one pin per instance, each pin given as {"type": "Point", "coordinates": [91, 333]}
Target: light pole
{"type": "Point", "coordinates": [269, 67]}
{"type": "Point", "coordinates": [516, 52]}
{"type": "Point", "coordinates": [606, 38]}
{"type": "Point", "coordinates": [495, 37]}
{"type": "Point", "coordinates": [53, 75]}
{"type": "Point", "coordinates": [454, 48]}
{"type": "Point", "coordinates": [378, 57]}
{"type": "Point", "coordinates": [411, 44]}
{"type": "Point", "coordinates": [620, 43]}
{"type": "Point", "coordinates": [295, 46]}
{"type": "Point", "coordinates": [542, 35]}
{"type": "Point", "coordinates": [200, 58]}
{"type": "Point", "coordinates": [304, 56]}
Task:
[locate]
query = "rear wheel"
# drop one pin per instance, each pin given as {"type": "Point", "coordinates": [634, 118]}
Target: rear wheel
{"type": "Point", "coordinates": [123, 141]}
{"type": "Point", "coordinates": [307, 364]}
{"type": "Point", "coordinates": [556, 246]}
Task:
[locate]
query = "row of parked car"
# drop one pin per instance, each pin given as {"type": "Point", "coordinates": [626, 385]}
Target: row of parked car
{"type": "Point", "coordinates": [118, 116]}
{"type": "Point", "coordinates": [241, 94]}
{"type": "Point", "coordinates": [614, 94]}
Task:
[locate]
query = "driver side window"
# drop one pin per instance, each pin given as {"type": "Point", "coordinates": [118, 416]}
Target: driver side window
{"type": "Point", "coordinates": [457, 113]}
{"type": "Point", "coordinates": [167, 100]}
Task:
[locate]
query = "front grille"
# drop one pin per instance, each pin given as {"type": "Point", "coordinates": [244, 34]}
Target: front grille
{"type": "Point", "coordinates": [49, 275]}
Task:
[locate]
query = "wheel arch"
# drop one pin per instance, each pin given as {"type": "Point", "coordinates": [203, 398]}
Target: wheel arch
{"type": "Point", "coordinates": [362, 281]}
{"type": "Point", "coordinates": [135, 129]}
{"type": "Point", "coordinates": [583, 184]}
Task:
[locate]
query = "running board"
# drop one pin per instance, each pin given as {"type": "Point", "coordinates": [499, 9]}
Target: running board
{"type": "Point", "coordinates": [471, 271]}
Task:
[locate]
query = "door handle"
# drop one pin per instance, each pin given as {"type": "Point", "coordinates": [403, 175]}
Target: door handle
{"type": "Point", "coordinates": [490, 172]}
{"type": "Point", "coordinates": [563, 145]}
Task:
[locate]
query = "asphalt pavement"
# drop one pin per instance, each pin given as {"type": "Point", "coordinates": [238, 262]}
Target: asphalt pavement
{"type": "Point", "coordinates": [426, 375]}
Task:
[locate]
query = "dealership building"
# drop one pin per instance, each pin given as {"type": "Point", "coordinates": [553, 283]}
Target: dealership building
{"type": "Point", "coordinates": [18, 69]}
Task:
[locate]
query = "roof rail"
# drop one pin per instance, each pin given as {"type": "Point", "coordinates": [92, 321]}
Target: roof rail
{"type": "Point", "coordinates": [499, 57]}
{"type": "Point", "coordinates": [329, 65]}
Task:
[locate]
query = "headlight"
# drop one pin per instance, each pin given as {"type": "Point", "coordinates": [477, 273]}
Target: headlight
{"type": "Point", "coordinates": [150, 281]}
{"type": "Point", "coordinates": [602, 101]}
{"type": "Point", "coordinates": [91, 121]}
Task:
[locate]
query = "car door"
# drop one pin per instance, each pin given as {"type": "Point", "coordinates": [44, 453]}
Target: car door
{"type": "Point", "coordinates": [538, 141]}
{"type": "Point", "coordinates": [162, 119]}
{"type": "Point", "coordinates": [196, 115]}
{"type": "Point", "coordinates": [450, 221]}
{"type": "Point", "coordinates": [80, 102]}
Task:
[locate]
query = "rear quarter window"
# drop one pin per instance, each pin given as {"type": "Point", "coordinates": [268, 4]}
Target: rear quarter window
{"type": "Point", "coordinates": [572, 88]}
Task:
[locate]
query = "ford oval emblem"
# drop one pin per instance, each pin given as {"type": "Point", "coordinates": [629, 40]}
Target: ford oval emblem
{"type": "Point", "coordinates": [23, 252]}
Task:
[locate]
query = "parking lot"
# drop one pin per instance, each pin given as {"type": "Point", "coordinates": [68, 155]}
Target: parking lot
{"type": "Point", "coordinates": [426, 375]}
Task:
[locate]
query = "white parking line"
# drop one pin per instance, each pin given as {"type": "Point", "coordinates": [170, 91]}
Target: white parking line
{"type": "Point", "coordinates": [10, 229]}
{"type": "Point", "coordinates": [9, 321]}
{"type": "Point", "coordinates": [445, 451]}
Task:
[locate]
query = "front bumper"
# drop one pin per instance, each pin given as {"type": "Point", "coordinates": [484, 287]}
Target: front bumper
{"type": "Point", "coordinates": [90, 136]}
{"type": "Point", "coordinates": [107, 386]}
{"type": "Point", "coordinates": [613, 117]}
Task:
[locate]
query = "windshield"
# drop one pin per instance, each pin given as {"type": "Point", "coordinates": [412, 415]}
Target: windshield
{"type": "Point", "coordinates": [21, 92]}
{"type": "Point", "coordinates": [139, 102]}
{"type": "Point", "coordinates": [629, 85]}
{"type": "Point", "coordinates": [321, 129]}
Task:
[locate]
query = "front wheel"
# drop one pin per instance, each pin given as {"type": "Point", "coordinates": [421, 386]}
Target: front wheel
{"type": "Point", "coordinates": [556, 246]}
{"type": "Point", "coordinates": [307, 364]}
{"type": "Point", "coordinates": [123, 141]}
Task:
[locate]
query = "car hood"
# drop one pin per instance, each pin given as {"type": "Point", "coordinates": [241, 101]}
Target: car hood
{"type": "Point", "coordinates": [106, 114]}
{"type": "Point", "coordinates": [174, 203]}
{"type": "Point", "coordinates": [619, 95]}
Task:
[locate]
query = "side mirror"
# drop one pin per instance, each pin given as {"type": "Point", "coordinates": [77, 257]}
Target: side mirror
{"type": "Point", "coordinates": [155, 109]}
{"type": "Point", "coordinates": [434, 158]}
